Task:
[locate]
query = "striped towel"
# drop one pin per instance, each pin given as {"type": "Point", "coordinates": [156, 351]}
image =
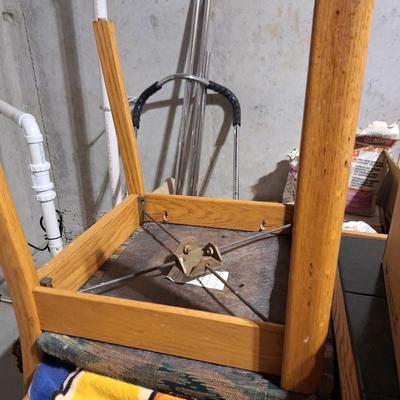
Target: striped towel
{"type": "Point", "coordinates": [54, 380]}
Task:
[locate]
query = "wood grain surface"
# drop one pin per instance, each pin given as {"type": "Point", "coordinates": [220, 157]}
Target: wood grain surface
{"type": "Point", "coordinates": [113, 77]}
{"type": "Point", "coordinates": [200, 335]}
{"type": "Point", "coordinates": [21, 277]}
{"type": "Point", "coordinates": [217, 213]}
{"type": "Point", "coordinates": [365, 235]}
{"type": "Point", "coordinates": [349, 386]}
{"type": "Point", "coordinates": [336, 71]}
{"type": "Point", "coordinates": [80, 259]}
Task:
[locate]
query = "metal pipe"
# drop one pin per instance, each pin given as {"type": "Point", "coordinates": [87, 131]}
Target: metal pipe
{"type": "Point", "coordinates": [191, 77]}
{"type": "Point", "coordinates": [236, 162]}
{"type": "Point", "coordinates": [198, 113]}
{"type": "Point", "coordinates": [184, 124]}
{"type": "Point", "coordinates": [199, 126]}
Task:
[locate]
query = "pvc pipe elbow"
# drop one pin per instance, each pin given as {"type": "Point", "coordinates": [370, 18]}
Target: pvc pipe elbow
{"type": "Point", "coordinates": [31, 128]}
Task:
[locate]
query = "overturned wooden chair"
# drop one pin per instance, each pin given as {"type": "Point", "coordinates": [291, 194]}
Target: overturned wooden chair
{"type": "Point", "coordinates": [293, 348]}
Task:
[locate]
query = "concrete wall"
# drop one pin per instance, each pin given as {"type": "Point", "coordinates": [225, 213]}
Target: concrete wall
{"type": "Point", "coordinates": [259, 50]}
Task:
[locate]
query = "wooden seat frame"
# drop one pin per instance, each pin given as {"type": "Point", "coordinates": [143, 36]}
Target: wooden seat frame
{"type": "Point", "coordinates": [294, 350]}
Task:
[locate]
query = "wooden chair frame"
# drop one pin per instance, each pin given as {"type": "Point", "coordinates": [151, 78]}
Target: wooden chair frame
{"type": "Point", "coordinates": [294, 351]}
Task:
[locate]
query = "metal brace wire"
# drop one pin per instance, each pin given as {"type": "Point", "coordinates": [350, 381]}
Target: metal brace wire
{"type": "Point", "coordinates": [223, 249]}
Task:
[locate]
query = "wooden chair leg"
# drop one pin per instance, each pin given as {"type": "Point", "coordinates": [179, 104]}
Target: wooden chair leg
{"type": "Point", "coordinates": [113, 77]}
{"type": "Point", "coordinates": [336, 70]}
{"type": "Point", "coordinates": [21, 277]}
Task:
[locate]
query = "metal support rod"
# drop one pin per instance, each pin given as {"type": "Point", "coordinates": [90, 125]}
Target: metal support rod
{"type": "Point", "coordinates": [223, 249]}
{"type": "Point", "coordinates": [5, 300]}
{"type": "Point", "coordinates": [252, 239]}
{"type": "Point", "coordinates": [236, 162]}
{"type": "Point", "coordinates": [189, 77]}
{"type": "Point", "coordinates": [198, 114]}
{"type": "Point", "coordinates": [129, 276]}
{"type": "Point", "coordinates": [161, 227]}
{"type": "Point", "coordinates": [184, 124]}
{"type": "Point", "coordinates": [237, 294]}
{"type": "Point", "coordinates": [198, 128]}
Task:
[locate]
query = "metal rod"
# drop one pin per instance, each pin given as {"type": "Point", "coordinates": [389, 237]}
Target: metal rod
{"type": "Point", "coordinates": [189, 77]}
{"type": "Point", "coordinates": [237, 294]}
{"type": "Point", "coordinates": [196, 156]}
{"type": "Point", "coordinates": [198, 114]}
{"type": "Point", "coordinates": [236, 162]}
{"type": "Point", "coordinates": [252, 239]}
{"type": "Point", "coordinates": [161, 227]}
{"type": "Point", "coordinates": [184, 124]}
{"type": "Point", "coordinates": [129, 276]}
{"type": "Point", "coordinates": [5, 300]}
{"type": "Point", "coordinates": [194, 140]}
{"type": "Point", "coordinates": [223, 249]}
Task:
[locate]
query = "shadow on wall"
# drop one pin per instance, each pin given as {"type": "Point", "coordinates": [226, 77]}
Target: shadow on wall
{"type": "Point", "coordinates": [226, 128]}
{"type": "Point", "coordinates": [220, 136]}
{"type": "Point", "coordinates": [73, 88]}
{"type": "Point", "coordinates": [183, 54]}
{"type": "Point", "coordinates": [270, 187]}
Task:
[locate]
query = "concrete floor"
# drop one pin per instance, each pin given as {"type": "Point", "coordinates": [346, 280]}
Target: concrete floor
{"type": "Point", "coordinates": [10, 377]}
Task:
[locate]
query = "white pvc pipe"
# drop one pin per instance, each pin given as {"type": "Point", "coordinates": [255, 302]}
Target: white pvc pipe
{"type": "Point", "coordinates": [100, 9]}
{"type": "Point", "coordinates": [40, 170]}
{"type": "Point", "coordinates": [114, 169]}
{"type": "Point", "coordinates": [114, 172]}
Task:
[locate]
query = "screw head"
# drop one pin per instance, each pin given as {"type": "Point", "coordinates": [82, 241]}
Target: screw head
{"type": "Point", "coordinates": [187, 249]}
{"type": "Point", "coordinates": [165, 216]}
{"type": "Point", "coordinates": [210, 251]}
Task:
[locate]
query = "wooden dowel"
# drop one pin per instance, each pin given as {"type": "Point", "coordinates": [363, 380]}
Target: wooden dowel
{"type": "Point", "coordinates": [336, 70]}
{"type": "Point", "coordinates": [115, 85]}
{"type": "Point", "coordinates": [21, 277]}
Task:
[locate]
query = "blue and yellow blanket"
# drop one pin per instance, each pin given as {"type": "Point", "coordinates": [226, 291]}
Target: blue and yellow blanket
{"type": "Point", "coordinates": [56, 380]}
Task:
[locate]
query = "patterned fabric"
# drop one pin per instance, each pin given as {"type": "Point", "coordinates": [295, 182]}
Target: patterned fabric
{"type": "Point", "coordinates": [55, 380]}
{"type": "Point", "coordinates": [175, 375]}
